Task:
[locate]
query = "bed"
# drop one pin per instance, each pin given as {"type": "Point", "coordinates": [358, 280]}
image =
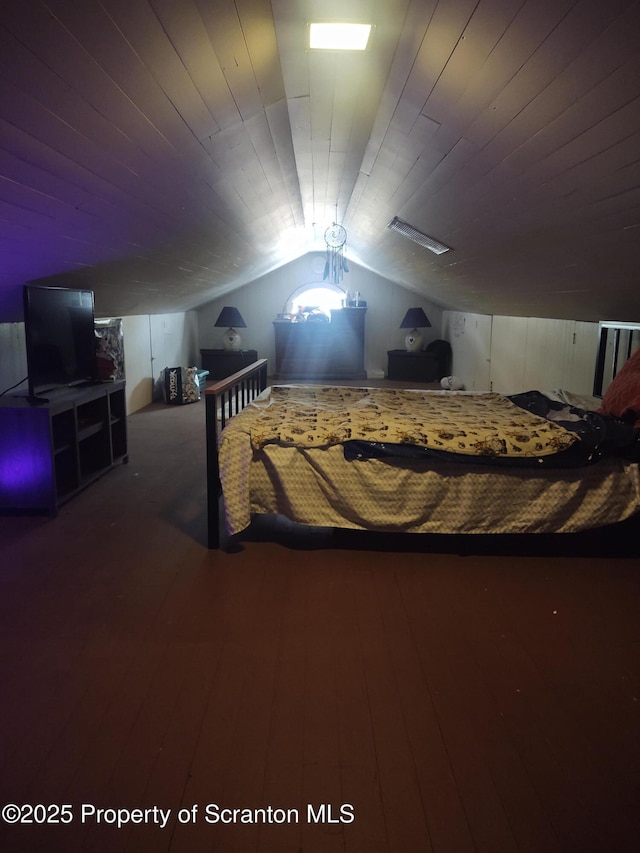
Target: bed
{"type": "Point", "coordinates": [415, 462]}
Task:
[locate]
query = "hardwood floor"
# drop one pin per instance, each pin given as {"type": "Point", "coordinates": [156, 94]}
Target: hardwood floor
{"type": "Point", "coordinates": [447, 703]}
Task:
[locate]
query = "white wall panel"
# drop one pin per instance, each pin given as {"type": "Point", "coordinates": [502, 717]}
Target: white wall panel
{"type": "Point", "coordinates": [581, 367]}
{"type": "Point", "coordinates": [470, 339]}
{"type": "Point", "coordinates": [13, 357]}
{"type": "Point", "coordinates": [508, 354]}
{"type": "Point", "coordinates": [514, 354]}
{"type": "Point", "coordinates": [137, 361]}
{"type": "Point", "coordinates": [173, 341]}
{"type": "Point", "coordinates": [546, 353]}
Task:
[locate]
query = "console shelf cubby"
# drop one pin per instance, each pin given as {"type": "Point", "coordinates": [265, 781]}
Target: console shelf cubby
{"type": "Point", "coordinates": [51, 450]}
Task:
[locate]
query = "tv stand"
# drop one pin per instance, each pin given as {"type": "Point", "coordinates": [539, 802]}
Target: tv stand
{"type": "Point", "coordinates": [53, 448]}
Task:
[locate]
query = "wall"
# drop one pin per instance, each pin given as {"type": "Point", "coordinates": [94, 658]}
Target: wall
{"type": "Point", "coordinates": [508, 354]}
{"type": "Point", "coordinates": [470, 339]}
{"type": "Point", "coordinates": [151, 342]}
{"type": "Point", "coordinates": [13, 357]}
{"type": "Point", "coordinates": [260, 302]}
{"type": "Point", "coordinates": [513, 354]}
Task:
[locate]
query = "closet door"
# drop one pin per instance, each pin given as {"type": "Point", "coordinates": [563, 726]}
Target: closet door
{"type": "Point", "coordinates": [508, 354]}
{"type": "Point", "coordinates": [536, 353]}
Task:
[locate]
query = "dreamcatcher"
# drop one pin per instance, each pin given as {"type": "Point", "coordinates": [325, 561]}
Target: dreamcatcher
{"type": "Point", "coordinates": [336, 238]}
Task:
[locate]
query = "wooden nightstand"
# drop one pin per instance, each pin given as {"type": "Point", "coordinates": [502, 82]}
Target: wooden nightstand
{"type": "Point", "coordinates": [412, 366]}
{"type": "Point", "coordinates": [223, 362]}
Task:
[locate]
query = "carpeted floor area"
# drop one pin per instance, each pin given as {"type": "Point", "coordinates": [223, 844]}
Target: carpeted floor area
{"type": "Point", "coordinates": [337, 694]}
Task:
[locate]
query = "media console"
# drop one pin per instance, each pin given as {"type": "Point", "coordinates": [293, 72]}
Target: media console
{"type": "Point", "coordinates": [51, 450]}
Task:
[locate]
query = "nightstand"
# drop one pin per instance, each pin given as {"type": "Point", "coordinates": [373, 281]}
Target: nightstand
{"type": "Point", "coordinates": [223, 362]}
{"type": "Point", "coordinates": [412, 366]}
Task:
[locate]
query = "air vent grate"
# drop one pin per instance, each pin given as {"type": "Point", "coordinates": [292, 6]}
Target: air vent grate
{"type": "Point", "coordinates": [417, 236]}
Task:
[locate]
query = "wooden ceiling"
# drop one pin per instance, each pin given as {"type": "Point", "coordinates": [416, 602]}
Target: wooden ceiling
{"type": "Point", "coordinates": [165, 152]}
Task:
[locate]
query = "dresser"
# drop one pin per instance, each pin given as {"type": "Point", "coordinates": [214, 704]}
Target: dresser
{"type": "Point", "coordinates": [322, 350]}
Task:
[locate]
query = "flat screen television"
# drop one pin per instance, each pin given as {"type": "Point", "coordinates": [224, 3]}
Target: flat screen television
{"type": "Point", "coordinates": [60, 337]}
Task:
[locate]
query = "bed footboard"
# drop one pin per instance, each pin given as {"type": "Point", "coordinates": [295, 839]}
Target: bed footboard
{"type": "Point", "coordinates": [223, 400]}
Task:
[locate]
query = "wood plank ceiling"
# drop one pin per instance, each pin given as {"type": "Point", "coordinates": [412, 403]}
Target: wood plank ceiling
{"type": "Point", "coordinates": [165, 152]}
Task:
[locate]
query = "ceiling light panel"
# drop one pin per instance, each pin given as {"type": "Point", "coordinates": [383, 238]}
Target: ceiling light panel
{"type": "Point", "coordinates": [418, 237]}
{"type": "Point", "coordinates": [339, 36]}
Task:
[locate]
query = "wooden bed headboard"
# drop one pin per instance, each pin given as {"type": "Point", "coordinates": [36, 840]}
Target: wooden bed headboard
{"type": "Point", "coordinates": [223, 400]}
{"type": "Point", "coordinates": [617, 343]}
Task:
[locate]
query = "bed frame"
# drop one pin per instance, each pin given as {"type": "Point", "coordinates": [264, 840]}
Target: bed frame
{"type": "Point", "coordinates": [223, 400]}
{"type": "Point", "coordinates": [229, 396]}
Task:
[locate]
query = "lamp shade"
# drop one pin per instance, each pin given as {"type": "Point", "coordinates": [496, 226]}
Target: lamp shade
{"type": "Point", "coordinates": [415, 318]}
{"type": "Point", "coordinates": [230, 318]}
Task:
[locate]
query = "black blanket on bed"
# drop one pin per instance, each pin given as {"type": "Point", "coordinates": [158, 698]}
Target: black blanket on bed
{"type": "Point", "coordinates": [599, 436]}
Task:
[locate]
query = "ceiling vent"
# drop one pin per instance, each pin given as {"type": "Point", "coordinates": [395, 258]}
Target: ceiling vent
{"type": "Point", "coordinates": [417, 236]}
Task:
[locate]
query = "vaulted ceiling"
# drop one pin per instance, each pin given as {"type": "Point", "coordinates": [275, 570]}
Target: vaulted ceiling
{"type": "Point", "coordinates": [165, 152]}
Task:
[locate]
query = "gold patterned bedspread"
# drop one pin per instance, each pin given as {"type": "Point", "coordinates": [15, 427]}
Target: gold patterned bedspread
{"type": "Point", "coordinates": [472, 424]}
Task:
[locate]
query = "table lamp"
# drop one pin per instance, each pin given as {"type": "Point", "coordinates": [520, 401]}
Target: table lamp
{"type": "Point", "coordinates": [231, 318]}
{"type": "Point", "coordinates": [414, 319]}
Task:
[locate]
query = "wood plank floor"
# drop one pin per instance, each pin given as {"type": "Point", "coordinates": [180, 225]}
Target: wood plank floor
{"type": "Point", "coordinates": [376, 700]}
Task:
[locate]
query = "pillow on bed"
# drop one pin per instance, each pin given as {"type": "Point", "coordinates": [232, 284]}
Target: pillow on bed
{"type": "Point", "coordinates": [622, 397]}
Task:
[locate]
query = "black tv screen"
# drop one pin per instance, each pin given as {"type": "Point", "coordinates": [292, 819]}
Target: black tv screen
{"type": "Point", "coordinates": [60, 336]}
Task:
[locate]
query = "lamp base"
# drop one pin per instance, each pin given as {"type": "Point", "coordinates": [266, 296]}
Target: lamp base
{"type": "Point", "coordinates": [413, 341]}
{"type": "Point", "coordinates": [231, 340]}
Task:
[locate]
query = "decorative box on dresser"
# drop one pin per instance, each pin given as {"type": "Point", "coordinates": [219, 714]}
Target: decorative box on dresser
{"type": "Point", "coordinates": [53, 449]}
{"type": "Point", "coordinates": [322, 350]}
{"type": "Point", "coordinates": [224, 362]}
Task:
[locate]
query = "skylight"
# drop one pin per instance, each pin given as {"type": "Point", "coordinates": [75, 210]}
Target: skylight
{"type": "Point", "coordinates": [339, 36]}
